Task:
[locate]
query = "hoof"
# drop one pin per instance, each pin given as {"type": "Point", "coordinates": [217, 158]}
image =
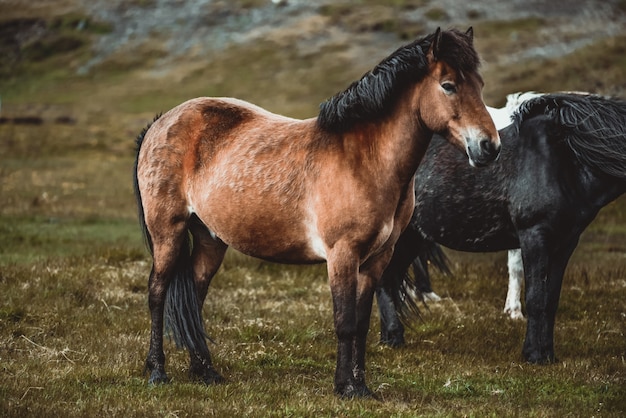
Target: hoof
{"type": "Point", "coordinates": [394, 341]}
{"type": "Point", "coordinates": [431, 297]}
{"type": "Point", "coordinates": [393, 338]}
{"type": "Point", "coordinates": [208, 376]}
{"type": "Point", "coordinates": [158, 377]}
{"type": "Point", "coordinates": [541, 359]}
{"type": "Point", "coordinates": [514, 313]}
{"type": "Point", "coordinates": [351, 391]}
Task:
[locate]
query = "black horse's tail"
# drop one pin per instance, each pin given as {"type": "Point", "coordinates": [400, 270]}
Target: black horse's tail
{"type": "Point", "coordinates": [414, 251]}
{"type": "Point", "coordinates": [183, 313]}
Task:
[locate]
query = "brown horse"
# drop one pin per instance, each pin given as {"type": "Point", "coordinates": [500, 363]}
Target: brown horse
{"type": "Point", "coordinates": [213, 173]}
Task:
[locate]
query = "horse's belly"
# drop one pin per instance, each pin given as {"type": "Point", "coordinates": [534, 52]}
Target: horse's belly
{"type": "Point", "coordinates": [466, 233]}
{"type": "Point", "coordinates": [279, 249]}
{"type": "Point", "coordinates": [273, 234]}
{"type": "Point", "coordinates": [476, 243]}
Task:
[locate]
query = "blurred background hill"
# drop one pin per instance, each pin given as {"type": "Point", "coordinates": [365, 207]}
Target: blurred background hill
{"type": "Point", "coordinates": [288, 53]}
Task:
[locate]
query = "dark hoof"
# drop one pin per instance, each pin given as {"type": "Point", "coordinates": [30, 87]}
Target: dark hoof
{"type": "Point", "coordinates": [351, 391]}
{"type": "Point", "coordinates": [208, 376]}
{"type": "Point", "coordinates": [541, 359]}
{"type": "Point", "coordinates": [158, 377]}
{"type": "Point", "coordinates": [393, 341]}
{"type": "Point", "coordinates": [394, 338]}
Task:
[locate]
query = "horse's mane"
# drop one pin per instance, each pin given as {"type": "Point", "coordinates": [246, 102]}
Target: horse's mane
{"type": "Point", "coordinates": [593, 126]}
{"type": "Point", "coordinates": [372, 96]}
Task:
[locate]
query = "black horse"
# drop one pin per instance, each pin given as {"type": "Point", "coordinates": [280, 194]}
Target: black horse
{"type": "Point", "coordinates": [562, 160]}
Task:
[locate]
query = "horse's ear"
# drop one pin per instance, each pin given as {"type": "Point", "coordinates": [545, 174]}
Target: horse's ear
{"type": "Point", "coordinates": [470, 34]}
{"type": "Point", "coordinates": [434, 46]}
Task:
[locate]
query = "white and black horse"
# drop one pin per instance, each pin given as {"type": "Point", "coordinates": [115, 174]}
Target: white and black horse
{"type": "Point", "coordinates": [562, 160]}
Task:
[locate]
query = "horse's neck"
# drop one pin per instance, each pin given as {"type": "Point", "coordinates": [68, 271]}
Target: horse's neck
{"type": "Point", "coordinates": [600, 189]}
{"type": "Point", "coordinates": [606, 189]}
{"type": "Point", "coordinates": [400, 143]}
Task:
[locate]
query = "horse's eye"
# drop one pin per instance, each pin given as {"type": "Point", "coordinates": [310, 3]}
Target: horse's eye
{"type": "Point", "coordinates": [448, 87]}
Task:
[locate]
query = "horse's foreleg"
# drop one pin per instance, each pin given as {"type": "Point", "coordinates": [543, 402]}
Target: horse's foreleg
{"type": "Point", "coordinates": [365, 296]}
{"type": "Point", "coordinates": [556, 270]}
{"type": "Point", "coordinates": [368, 280]}
{"type": "Point", "coordinates": [544, 276]}
{"type": "Point", "coordinates": [513, 304]}
{"type": "Point", "coordinates": [343, 276]}
{"type": "Point", "coordinates": [535, 258]}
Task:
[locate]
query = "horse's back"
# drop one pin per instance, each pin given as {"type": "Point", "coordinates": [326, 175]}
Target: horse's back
{"type": "Point", "coordinates": [210, 118]}
{"type": "Point", "coordinates": [189, 136]}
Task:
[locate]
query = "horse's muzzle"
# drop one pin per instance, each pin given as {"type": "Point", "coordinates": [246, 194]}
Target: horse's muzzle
{"type": "Point", "coordinates": [482, 151]}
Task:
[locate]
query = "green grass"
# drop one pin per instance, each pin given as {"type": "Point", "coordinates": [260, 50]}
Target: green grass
{"type": "Point", "coordinates": [74, 335]}
{"type": "Point", "coordinates": [74, 324]}
{"type": "Point", "coordinates": [34, 239]}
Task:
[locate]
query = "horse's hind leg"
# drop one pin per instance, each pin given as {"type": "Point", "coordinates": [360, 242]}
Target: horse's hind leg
{"type": "Point", "coordinates": [513, 304]}
{"type": "Point", "coordinates": [207, 256]}
{"type": "Point", "coordinates": [407, 249]}
{"type": "Point", "coordinates": [165, 256]}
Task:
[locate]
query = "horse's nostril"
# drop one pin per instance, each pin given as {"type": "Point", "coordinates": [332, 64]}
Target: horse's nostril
{"type": "Point", "coordinates": [488, 147]}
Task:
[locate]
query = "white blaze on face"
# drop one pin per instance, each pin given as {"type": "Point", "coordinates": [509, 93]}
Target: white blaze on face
{"type": "Point", "coordinates": [472, 138]}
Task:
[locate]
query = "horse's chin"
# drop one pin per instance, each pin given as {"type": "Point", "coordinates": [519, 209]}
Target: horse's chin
{"type": "Point", "coordinates": [479, 162]}
{"type": "Point", "coordinates": [473, 163]}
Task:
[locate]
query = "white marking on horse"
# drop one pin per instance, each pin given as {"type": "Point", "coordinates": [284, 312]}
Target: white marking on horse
{"type": "Point", "coordinates": [502, 116]}
{"type": "Point", "coordinates": [315, 241]}
{"type": "Point", "coordinates": [513, 304]}
{"type": "Point", "coordinates": [473, 136]}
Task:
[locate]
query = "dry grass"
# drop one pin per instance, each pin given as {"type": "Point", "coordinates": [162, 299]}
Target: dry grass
{"type": "Point", "coordinates": [75, 331]}
{"type": "Point", "coordinates": [73, 315]}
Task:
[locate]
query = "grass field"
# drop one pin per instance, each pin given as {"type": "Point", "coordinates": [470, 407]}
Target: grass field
{"type": "Point", "coordinates": [74, 323]}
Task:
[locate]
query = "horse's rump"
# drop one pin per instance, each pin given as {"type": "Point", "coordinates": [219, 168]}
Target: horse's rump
{"type": "Point", "coordinates": [186, 162]}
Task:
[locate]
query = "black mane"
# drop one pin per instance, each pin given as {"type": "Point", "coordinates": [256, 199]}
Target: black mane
{"type": "Point", "coordinates": [594, 127]}
{"type": "Point", "coordinates": [372, 97]}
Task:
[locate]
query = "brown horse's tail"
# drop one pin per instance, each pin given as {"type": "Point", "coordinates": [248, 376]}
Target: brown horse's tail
{"type": "Point", "coordinates": [182, 314]}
